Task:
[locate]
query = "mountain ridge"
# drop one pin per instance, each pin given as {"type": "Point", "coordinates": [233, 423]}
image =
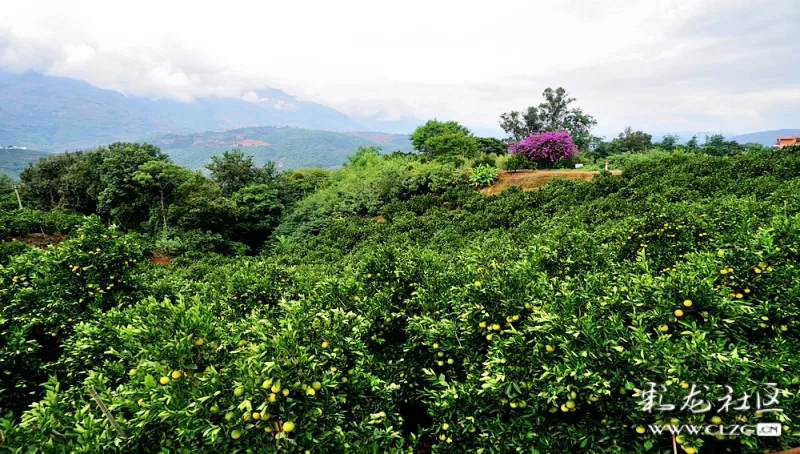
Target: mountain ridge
{"type": "Point", "coordinates": [55, 113]}
{"type": "Point", "coordinates": [287, 147]}
{"type": "Point", "coordinates": [766, 138]}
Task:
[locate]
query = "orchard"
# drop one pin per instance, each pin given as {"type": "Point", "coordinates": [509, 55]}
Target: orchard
{"type": "Point", "coordinates": [396, 309]}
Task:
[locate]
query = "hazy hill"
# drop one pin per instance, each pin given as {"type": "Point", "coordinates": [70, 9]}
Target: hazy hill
{"type": "Point", "coordinates": [289, 147]}
{"type": "Point", "coordinates": [764, 137]}
{"type": "Point", "coordinates": [52, 113]}
{"type": "Point", "coordinates": [13, 161]}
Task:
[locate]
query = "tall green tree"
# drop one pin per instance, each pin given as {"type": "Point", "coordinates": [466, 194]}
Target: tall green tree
{"type": "Point", "coordinates": [668, 142]}
{"type": "Point", "coordinates": [43, 184]}
{"type": "Point", "coordinates": [553, 114]}
{"type": "Point", "coordinates": [444, 138]}
{"type": "Point", "coordinates": [258, 209]}
{"type": "Point", "coordinates": [519, 125]}
{"type": "Point", "coordinates": [161, 177]}
{"type": "Point", "coordinates": [8, 200]}
{"type": "Point", "coordinates": [121, 197]}
{"type": "Point", "coordinates": [489, 145]}
{"type": "Point", "coordinates": [692, 144]}
{"type": "Point", "coordinates": [199, 204]}
{"type": "Point", "coordinates": [233, 171]}
{"type": "Point", "coordinates": [631, 141]}
{"type": "Point", "coordinates": [717, 145]}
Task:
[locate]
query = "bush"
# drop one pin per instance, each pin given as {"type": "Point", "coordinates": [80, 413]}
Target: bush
{"type": "Point", "coordinates": [515, 161]}
{"type": "Point", "coordinates": [483, 175]}
{"type": "Point", "coordinates": [23, 221]}
{"type": "Point", "coordinates": [485, 159]}
{"type": "Point", "coordinates": [525, 321]}
{"type": "Point", "coordinates": [44, 293]}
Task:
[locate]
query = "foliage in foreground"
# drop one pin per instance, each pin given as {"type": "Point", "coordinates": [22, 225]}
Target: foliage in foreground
{"type": "Point", "coordinates": [521, 322]}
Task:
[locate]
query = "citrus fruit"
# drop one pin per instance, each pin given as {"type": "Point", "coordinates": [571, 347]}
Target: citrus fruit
{"type": "Point", "coordinates": [288, 426]}
{"type": "Point", "coordinates": [164, 380]}
{"type": "Point", "coordinates": [238, 392]}
{"type": "Point", "coordinates": [236, 434]}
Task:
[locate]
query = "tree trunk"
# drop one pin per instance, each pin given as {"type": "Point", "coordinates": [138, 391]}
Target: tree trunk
{"type": "Point", "coordinates": [163, 212]}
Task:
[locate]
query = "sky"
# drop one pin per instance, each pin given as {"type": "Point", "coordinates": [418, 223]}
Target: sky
{"type": "Point", "coordinates": [656, 65]}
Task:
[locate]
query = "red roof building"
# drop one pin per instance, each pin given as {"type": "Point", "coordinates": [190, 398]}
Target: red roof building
{"type": "Point", "coordinates": [785, 141]}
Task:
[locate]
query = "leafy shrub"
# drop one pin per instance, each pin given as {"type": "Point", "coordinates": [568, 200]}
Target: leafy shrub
{"type": "Point", "coordinates": [487, 159]}
{"type": "Point", "coordinates": [43, 293]}
{"type": "Point", "coordinates": [225, 390]}
{"type": "Point", "coordinates": [518, 322]}
{"type": "Point", "coordinates": [9, 249]}
{"type": "Point", "coordinates": [33, 221]}
{"type": "Point", "coordinates": [516, 161]}
{"type": "Point", "coordinates": [483, 175]}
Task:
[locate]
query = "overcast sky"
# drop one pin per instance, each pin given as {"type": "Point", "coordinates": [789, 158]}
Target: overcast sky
{"type": "Point", "coordinates": [657, 65]}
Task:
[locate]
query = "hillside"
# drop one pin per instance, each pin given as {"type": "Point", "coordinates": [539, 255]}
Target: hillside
{"type": "Point", "coordinates": [53, 114]}
{"type": "Point", "coordinates": [288, 147]}
{"type": "Point", "coordinates": [13, 161]}
{"type": "Point", "coordinates": [764, 137]}
{"type": "Point", "coordinates": [393, 304]}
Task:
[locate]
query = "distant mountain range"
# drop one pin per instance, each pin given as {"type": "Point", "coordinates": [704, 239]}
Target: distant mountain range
{"type": "Point", "coordinates": [53, 114]}
{"type": "Point", "coordinates": [288, 147]}
{"type": "Point", "coordinates": [14, 160]}
{"type": "Point", "coordinates": [764, 137]}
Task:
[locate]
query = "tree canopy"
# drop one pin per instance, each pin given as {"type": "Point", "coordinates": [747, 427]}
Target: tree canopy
{"type": "Point", "coordinates": [553, 114]}
{"type": "Point", "coordinates": [444, 138]}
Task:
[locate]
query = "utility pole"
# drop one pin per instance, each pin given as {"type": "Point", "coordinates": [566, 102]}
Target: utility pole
{"type": "Point", "coordinates": [19, 201]}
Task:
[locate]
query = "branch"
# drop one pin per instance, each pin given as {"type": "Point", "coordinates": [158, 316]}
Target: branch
{"type": "Point", "coordinates": [108, 414]}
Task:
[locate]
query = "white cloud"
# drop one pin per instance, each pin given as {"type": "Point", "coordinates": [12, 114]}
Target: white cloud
{"type": "Point", "coordinates": [251, 96]}
{"type": "Point", "coordinates": [708, 64]}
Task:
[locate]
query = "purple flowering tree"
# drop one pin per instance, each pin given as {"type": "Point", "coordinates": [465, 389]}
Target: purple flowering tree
{"type": "Point", "coordinates": [545, 148]}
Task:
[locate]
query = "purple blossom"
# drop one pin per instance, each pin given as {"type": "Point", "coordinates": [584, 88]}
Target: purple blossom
{"type": "Point", "coordinates": [549, 146]}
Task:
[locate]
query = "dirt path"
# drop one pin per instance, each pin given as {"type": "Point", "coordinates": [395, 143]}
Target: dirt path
{"type": "Point", "coordinates": [532, 179]}
{"type": "Point", "coordinates": [41, 240]}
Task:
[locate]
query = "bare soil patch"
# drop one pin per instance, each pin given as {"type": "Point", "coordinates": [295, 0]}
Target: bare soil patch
{"type": "Point", "coordinates": [253, 143]}
{"type": "Point", "coordinates": [162, 258]}
{"type": "Point", "coordinates": [532, 179]}
{"type": "Point", "coordinates": [41, 240]}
